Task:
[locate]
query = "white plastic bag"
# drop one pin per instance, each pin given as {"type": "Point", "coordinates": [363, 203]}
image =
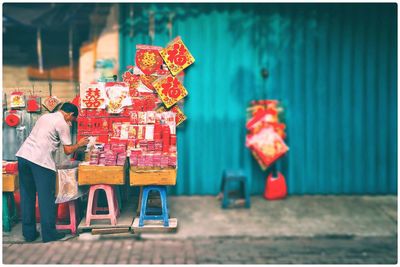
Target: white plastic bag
{"type": "Point", "coordinates": [68, 185]}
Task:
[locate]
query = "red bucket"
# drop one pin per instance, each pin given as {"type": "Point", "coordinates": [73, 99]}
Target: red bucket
{"type": "Point", "coordinates": [275, 187]}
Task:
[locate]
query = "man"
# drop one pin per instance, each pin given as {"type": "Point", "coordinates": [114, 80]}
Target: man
{"type": "Point", "coordinates": [37, 170]}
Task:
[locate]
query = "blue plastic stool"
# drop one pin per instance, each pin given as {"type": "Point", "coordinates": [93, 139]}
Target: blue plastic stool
{"type": "Point", "coordinates": [234, 176]}
{"type": "Point", "coordinates": [164, 208]}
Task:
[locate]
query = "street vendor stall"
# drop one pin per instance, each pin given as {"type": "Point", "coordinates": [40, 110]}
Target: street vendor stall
{"type": "Point", "coordinates": [132, 130]}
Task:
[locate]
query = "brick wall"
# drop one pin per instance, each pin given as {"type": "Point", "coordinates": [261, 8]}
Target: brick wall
{"type": "Point", "coordinates": [16, 77]}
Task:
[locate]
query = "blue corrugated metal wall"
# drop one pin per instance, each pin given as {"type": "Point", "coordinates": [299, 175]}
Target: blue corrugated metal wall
{"type": "Point", "coordinates": [333, 67]}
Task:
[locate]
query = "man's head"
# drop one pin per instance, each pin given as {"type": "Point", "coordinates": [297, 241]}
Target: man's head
{"type": "Point", "coordinates": [70, 111]}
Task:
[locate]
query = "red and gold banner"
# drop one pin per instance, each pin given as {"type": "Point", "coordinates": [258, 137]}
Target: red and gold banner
{"type": "Point", "coordinates": [170, 90]}
{"type": "Point", "coordinates": [177, 56]}
{"type": "Point", "coordinates": [148, 58]}
{"type": "Point", "coordinates": [93, 95]}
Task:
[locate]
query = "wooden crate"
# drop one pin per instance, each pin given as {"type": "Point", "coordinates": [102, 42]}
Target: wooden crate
{"type": "Point", "coordinates": [152, 177]}
{"type": "Point", "coordinates": [93, 174]}
{"type": "Point", "coordinates": [10, 182]}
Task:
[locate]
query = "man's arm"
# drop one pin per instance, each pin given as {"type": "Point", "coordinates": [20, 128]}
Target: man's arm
{"type": "Point", "coordinates": [72, 148]}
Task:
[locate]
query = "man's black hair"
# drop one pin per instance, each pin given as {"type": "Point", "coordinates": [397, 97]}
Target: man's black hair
{"type": "Point", "coordinates": [69, 107]}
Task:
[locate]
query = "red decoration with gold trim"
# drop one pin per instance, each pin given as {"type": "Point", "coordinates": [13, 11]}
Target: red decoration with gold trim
{"type": "Point", "coordinates": [148, 58]}
{"type": "Point", "coordinates": [177, 56]}
{"type": "Point", "coordinates": [170, 90]}
{"type": "Point", "coordinates": [93, 96]}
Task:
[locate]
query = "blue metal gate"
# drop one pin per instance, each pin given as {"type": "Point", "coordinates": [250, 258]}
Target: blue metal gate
{"type": "Point", "coordinates": [333, 67]}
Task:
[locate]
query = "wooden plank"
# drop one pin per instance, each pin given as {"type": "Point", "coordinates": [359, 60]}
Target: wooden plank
{"type": "Point", "coordinates": [10, 182]}
{"type": "Point", "coordinates": [152, 177]}
{"type": "Point", "coordinates": [97, 231]}
{"type": "Point", "coordinates": [154, 226]}
{"type": "Point", "coordinates": [125, 219]}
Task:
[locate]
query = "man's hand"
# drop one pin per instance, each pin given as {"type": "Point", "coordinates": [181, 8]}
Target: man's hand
{"type": "Point", "coordinates": [72, 148]}
{"type": "Point", "coordinates": [83, 141]}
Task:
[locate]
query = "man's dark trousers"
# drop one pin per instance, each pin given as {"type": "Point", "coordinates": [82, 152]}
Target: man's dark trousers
{"type": "Point", "coordinates": [32, 178]}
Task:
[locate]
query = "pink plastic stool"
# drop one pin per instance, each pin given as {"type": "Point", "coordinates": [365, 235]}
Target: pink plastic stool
{"type": "Point", "coordinates": [113, 210]}
{"type": "Point", "coordinates": [72, 219]}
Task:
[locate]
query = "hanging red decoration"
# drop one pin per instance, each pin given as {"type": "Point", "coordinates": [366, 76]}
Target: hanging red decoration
{"type": "Point", "coordinates": [12, 118]}
{"type": "Point", "coordinates": [148, 59]}
{"type": "Point", "coordinates": [170, 90]}
{"type": "Point", "coordinates": [177, 56]}
{"type": "Point", "coordinates": [17, 100]}
{"type": "Point", "coordinates": [93, 96]}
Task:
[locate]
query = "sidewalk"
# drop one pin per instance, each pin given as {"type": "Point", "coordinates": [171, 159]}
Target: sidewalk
{"type": "Point", "coordinates": [305, 216]}
{"type": "Point", "coordinates": [312, 229]}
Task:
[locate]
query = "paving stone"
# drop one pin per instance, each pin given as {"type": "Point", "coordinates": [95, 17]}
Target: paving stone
{"type": "Point", "coordinates": [157, 260]}
{"type": "Point", "coordinates": [241, 248]}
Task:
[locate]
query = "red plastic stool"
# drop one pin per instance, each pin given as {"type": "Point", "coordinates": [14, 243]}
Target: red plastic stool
{"type": "Point", "coordinates": [72, 218]}
{"type": "Point", "coordinates": [113, 210]}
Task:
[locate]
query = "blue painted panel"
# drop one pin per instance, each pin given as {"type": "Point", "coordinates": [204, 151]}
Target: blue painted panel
{"type": "Point", "coordinates": [332, 66]}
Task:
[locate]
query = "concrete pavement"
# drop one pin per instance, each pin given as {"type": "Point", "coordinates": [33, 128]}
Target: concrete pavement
{"type": "Point", "coordinates": [306, 229]}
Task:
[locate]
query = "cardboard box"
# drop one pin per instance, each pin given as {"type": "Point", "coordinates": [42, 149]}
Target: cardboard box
{"type": "Point", "coordinates": [93, 174]}
{"type": "Point", "coordinates": [152, 177]}
{"type": "Point", "coordinates": [10, 182]}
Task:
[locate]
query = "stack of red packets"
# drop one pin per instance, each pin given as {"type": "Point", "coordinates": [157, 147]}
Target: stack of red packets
{"type": "Point", "coordinates": [137, 118]}
{"type": "Point", "coordinates": [265, 133]}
